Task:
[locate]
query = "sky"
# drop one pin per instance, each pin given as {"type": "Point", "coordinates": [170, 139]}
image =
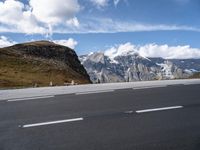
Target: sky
{"type": "Point", "coordinates": [165, 28]}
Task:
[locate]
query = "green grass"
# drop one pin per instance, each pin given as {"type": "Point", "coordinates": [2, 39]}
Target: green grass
{"type": "Point", "coordinates": [16, 71]}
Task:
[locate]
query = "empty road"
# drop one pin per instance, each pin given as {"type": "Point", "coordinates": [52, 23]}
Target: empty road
{"type": "Point", "coordinates": [158, 118]}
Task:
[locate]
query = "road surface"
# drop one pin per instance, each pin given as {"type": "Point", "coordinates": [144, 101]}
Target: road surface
{"type": "Point", "coordinates": [158, 118]}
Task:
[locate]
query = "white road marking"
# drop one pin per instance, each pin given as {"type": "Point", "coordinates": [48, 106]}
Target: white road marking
{"type": "Point", "coordinates": [51, 122]}
{"type": "Point", "coordinates": [158, 109]}
{"type": "Point", "coordinates": [30, 98]}
{"type": "Point", "coordinates": [93, 92]}
{"type": "Point", "coordinates": [148, 87]}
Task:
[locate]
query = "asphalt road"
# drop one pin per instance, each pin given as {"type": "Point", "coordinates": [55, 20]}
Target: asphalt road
{"type": "Point", "coordinates": [162, 118]}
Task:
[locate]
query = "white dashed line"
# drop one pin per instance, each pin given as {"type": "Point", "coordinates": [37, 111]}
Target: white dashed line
{"type": "Point", "coordinates": [158, 109]}
{"type": "Point", "coordinates": [80, 119]}
{"type": "Point", "coordinates": [51, 122]}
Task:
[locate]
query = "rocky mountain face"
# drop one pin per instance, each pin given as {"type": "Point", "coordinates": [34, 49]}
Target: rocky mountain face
{"type": "Point", "coordinates": [189, 64]}
{"type": "Point", "coordinates": [40, 63]}
{"type": "Point", "coordinates": [130, 66]}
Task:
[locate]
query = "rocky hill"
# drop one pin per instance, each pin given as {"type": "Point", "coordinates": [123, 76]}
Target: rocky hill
{"type": "Point", "coordinates": [40, 63]}
{"type": "Point", "coordinates": [130, 66]}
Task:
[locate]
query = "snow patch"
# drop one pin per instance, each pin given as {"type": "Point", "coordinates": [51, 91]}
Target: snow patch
{"type": "Point", "coordinates": [121, 50]}
{"type": "Point", "coordinates": [166, 69]}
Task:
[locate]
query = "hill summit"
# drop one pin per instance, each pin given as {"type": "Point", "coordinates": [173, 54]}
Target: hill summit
{"type": "Point", "coordinates": [40, 63]}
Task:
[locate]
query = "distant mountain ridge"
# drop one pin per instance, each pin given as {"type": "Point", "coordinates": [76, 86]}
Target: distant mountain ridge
{"type": "Point", "coordinates": [130, 66]}
{"type": "Point", "coordinates": [40, 63]}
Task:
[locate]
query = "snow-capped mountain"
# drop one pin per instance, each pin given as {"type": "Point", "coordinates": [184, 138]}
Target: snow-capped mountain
{"type": "Point", "coordinates": [125, 65]}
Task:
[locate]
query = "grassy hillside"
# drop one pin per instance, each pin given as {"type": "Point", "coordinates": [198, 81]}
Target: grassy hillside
{"type": "Point", "coordinates": [20, 68]}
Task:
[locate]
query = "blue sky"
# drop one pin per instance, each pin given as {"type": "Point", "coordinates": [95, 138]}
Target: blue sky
{"type": "Point", "coordinates": [94, 25]}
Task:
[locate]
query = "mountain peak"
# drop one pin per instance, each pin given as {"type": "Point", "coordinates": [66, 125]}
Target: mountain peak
{"type": "Point", "coordinates": [97, 57]}
{"type": "Point", "coordinates": [121, 50]}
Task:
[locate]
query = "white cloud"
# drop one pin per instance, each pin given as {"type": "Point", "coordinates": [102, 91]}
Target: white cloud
{"type": "Point", "coordinates": [71, 43]}
{"type": "Point", "coordinates": [60, 16]}
{"type": "Point", "coordinates": [107, 25]}
{"type": "Point", "coordinates": [37, 17]}
{"type": "Point", "coordinates": [100, 3]}
{"type": "Point", "coordinates": [73, 22]}
{"type": "Point", "coordinates": [14, 16]}
{"type": "Point", "coordinates": [154, 50]}
{"type": "Point", "coordinates": [104, 3]}
{"type": "Point", "coordinates": [4, 42]}
{"type": "Point", "coordinates": [54, 11]}
{"type": "Point", "coordinates": [169, 52]}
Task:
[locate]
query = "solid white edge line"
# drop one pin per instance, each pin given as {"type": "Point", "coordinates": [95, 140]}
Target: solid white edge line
{"type": "Point", "coordinates": [148, 87]}
{"type": "Point", "coordinates": [30, 98]}
{"type": "Point", "coordinates": [93, 92]}
{"type": "Point", "coordinates": [51, 122]}
{"type": "Point", "coordinates": [158, 109]}
{"type": "Point", "coordinates": [192, 83]}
